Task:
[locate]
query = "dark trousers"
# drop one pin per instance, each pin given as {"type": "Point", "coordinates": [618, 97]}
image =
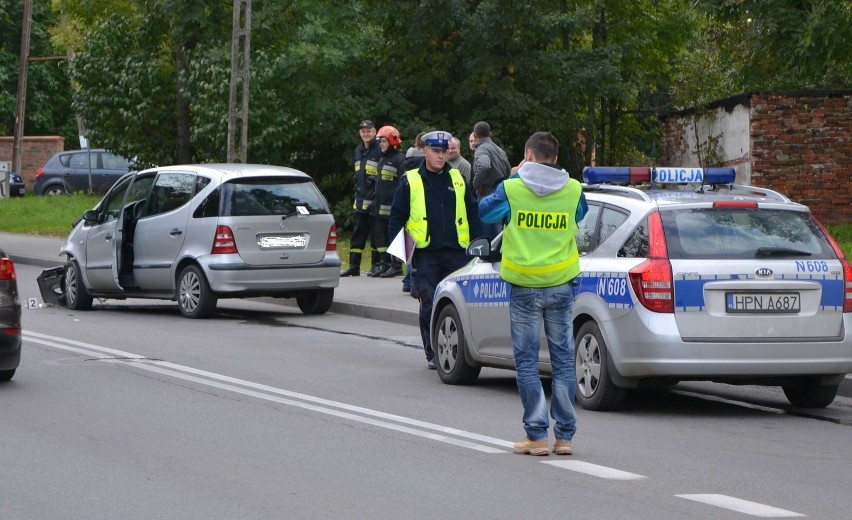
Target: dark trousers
{"type": "Point", "coordinates": [362, 223]}
{"type": "Point", "coordinates": [379, 238]}
{"type": "Point", "coordinates": [430, 266]}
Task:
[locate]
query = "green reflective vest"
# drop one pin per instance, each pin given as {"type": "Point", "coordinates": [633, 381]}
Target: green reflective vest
{"type": "Point", "coordinates": [539, 246]}
{"type": "Point", "coordinates": [418, 225]}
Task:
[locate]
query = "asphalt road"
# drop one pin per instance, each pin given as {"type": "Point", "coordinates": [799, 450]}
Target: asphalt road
{"type": "Point", "coordinates": [131, 411]}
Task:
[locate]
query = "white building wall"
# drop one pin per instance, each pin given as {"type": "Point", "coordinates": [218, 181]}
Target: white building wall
{"type": "Point", "coordinates": [732, 130]}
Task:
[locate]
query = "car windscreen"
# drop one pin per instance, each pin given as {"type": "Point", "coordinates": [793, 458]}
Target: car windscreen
{"type": "Point", "coordinates": [732, 233]}
{"type": "Point", "coordinates": [271, 196]}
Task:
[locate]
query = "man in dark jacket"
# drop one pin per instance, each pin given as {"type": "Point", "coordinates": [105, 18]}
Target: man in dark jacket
{"type": "Point", "coordinates": [367, 156]}
{"type": "Point", "coordinates": [437, 208]}
{"type": "Point", "coordinates": [490, 167]}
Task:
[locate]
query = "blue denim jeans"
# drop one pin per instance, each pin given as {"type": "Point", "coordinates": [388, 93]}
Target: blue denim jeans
{"type": "Point", "coordinates": [527, 307]}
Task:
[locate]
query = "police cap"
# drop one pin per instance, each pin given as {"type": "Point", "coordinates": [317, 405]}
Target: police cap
{"type": "Point", "coordinates": [437, 139]}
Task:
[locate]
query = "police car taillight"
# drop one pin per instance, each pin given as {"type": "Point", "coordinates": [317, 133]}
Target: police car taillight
{"type": "Point", "coordinates": [847, 268]}
{"type": "Point", "coordinates": [224, 243]}
{"type": "Point", "coordinates": [625, 175]}
{"type": "Point", "coordinates": [652, 279]}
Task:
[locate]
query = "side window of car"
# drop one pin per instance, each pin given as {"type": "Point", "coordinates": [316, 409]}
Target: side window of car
{"type": "Point", "coordinates": [636, 245]}
{"type": "Point", "coordinates": [171, 191]}
{"type": "Point", "coordinates": [209, 207]}
{"type": "Point", "coordinates": [586, 229]}
{"type": "Point", "coordinates": [114, 162]}
{"type": "Point", "coordinates": [78, 160]}
{"type": "Point", "coordinates": [611, 219]}
{"type": "Point", "coordinates": [114, 202]}
{"type": "Point", "coordinates": [65, 159]}
{"type": "Point", "coordinates": [201, 183]}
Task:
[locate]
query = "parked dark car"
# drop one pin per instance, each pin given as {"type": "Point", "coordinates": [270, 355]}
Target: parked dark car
{"type": "Point", "coordinates": [16, 186]}
{"type": "Point", "coordinates": [67, 172]}
{"type": "Point", "coordinates": [10, 319]}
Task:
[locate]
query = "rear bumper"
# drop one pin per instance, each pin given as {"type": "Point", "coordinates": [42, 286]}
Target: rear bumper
{"type": "Point", "coordinates": [10, 351]}
{"type": "Point", "coordinates": [243, 278]}
{"type": "Point", "coordinates": [657, 350]}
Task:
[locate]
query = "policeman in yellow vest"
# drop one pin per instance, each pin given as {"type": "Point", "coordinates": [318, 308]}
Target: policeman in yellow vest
{"type": "Point", "coordinates": [540, 207]}
{"type": "Point", "coordinates": [437, 207]}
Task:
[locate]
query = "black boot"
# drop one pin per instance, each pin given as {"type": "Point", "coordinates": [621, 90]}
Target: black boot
{"type": "Point", "coordinates": [384, 265]}
{"type": "Point", "coordinates": [394, 269]}
{"type": "Point", "coordinates": [375, 264]}
{"type": "Point", "coordinates": [354, 265]}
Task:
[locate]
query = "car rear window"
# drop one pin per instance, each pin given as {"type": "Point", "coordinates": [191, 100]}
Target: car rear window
{"type": "Point", "coordinates": [743, 233]}
{"type": "Point", "coordinates": [271, 196]}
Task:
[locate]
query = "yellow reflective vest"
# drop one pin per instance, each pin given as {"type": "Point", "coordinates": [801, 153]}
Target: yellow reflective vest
{"type": "Point", "coordinates": [418, 225]}
{"type": "Point", "coordinates": [539, 246]}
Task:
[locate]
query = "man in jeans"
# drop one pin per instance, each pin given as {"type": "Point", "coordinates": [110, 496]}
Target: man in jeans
{"type": "Point", "coordinates": [541, 206]}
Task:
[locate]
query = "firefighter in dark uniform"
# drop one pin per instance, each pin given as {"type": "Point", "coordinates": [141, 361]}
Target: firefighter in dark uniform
{"type": "Point", "coordinates": [387, 180]}
{"type": "Point", "coordinates": [438, 208]}
{"type": "Point", "coordinates": [367, 156]}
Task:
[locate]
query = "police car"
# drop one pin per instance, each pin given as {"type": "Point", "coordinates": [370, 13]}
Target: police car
{"type": "Point", "coordinates": [685, 276]}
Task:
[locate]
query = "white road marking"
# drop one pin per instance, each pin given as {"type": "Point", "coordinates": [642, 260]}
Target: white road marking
{"type": "Point", "coordinates": [212, 379]}
{"type": "Point", "coordinates": [741, 506]}
{"type": "Point", "coordinates": [594, 470]}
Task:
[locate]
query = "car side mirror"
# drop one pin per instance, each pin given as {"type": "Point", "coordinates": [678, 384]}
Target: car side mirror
{"type": "Point", "coordinates": [479, 248]}
{"type": "Point", "coordinates": [91, 217]}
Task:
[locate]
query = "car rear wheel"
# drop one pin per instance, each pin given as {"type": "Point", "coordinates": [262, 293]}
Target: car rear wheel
{"type": "Point", "coordinates": [808, 393]}
{"type": "Point", "coordinates": [77, 297]}
{"type": "Point", "coordinates": [316, 302]}
{"type": "Point", "coordinates": [195, 298]}
{"type": "Point", "coordinates": [6, 375]}
{"type": "Point", "coordinates": [450, 347]}
{"type": "Point", "coordinates": [595, 389]}
{"type": "Point", "coordinates": [54, 190]}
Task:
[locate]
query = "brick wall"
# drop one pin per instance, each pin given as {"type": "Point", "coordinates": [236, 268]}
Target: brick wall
{"type": "Point", "coordinates": [801, 145]}
{"type": "Point", "coordinates": [35, 151]}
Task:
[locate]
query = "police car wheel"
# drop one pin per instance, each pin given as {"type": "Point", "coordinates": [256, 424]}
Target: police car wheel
{"type": "Point", "coordinates": [450, 349]}
{"type": "Point", "coordinates": [77, 297]}
{"type": "Point", "coordinates": [808, 393]}
{"type": "Point", "coordinates": [595, 389]}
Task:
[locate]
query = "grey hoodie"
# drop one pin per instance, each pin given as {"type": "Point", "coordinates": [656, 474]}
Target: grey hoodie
{"type": "Point", "coordinates": [543, 179]}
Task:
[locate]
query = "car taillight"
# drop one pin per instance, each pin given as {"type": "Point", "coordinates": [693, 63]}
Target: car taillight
{"type": "Point", "coordinates": [39, 173]}
{"type": "Point", "coordinates": [7, 269]}
{"type": "Point", "coordinates": [331, 244]}
{"type": "Point", "coordinates": [847, 268]}
{"type": "Point", "coordinates": [224, 243]}
{"type": "Point", "coordinates": [652, 279]}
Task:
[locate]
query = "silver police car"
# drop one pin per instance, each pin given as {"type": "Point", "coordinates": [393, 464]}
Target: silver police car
{"type": "Point", "coordinates": [198, 233]}
{"type": "Point", "coordinates": [685, 277]}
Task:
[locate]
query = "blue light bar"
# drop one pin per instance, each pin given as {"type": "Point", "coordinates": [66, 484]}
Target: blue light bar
{"type": "Point", "coordinates": [626, 175]}
{"type": "Point", "coordinates": [616, 175]}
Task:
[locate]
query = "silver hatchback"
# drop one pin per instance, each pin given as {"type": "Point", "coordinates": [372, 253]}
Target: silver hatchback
{"type": "Point", "coordinates": [198, 233]}
{"type": "Point", "coordinates": [688, 278]}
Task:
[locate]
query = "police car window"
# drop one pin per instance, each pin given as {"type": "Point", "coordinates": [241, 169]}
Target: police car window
{"type": "Point", "coordinates": [742, 234]}
{"type": "Point", "coordinates": [586, 229]}
{"type": "Point", "coordinates": [636, 245]}
{"type": "Point", "coordinates": [611, 220]}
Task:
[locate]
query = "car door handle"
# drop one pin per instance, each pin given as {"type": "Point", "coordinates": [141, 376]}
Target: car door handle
{"type": "Point", "coordinates": [175, 232]}
{"type": "Point", "coordinates": [107, 237]}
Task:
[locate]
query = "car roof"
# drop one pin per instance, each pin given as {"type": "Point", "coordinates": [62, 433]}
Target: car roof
{"type": "Point", "coordinates": [225, 171]}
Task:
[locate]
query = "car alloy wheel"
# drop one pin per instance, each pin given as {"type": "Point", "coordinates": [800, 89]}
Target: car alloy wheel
{"type": "Point", "coordinates": [595, 389]}
{"type": "Point", "coordinates": [76, 296]}
{"type": "Point", "coordinates": [195, 299]}
{"type": "Point", "coordinates": [448, 343]}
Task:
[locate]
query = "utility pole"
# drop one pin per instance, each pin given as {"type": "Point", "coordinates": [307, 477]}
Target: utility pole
{"type": "Point", "coordinates": [21, 106]}
{"type": "Point", "coordinates": [240, 72]}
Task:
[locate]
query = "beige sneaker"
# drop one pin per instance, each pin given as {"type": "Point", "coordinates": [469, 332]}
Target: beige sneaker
{"type": "Point", "coordinates": [527, 446]}
{"type": "Point", "coordinates": [562, 448]}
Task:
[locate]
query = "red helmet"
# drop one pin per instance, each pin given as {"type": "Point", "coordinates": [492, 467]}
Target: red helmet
{"type": "Point", "coordinates": [391, 134]}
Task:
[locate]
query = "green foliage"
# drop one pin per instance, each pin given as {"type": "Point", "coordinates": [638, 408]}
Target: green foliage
{"type": "Point", "coordinates": [49, 216]}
